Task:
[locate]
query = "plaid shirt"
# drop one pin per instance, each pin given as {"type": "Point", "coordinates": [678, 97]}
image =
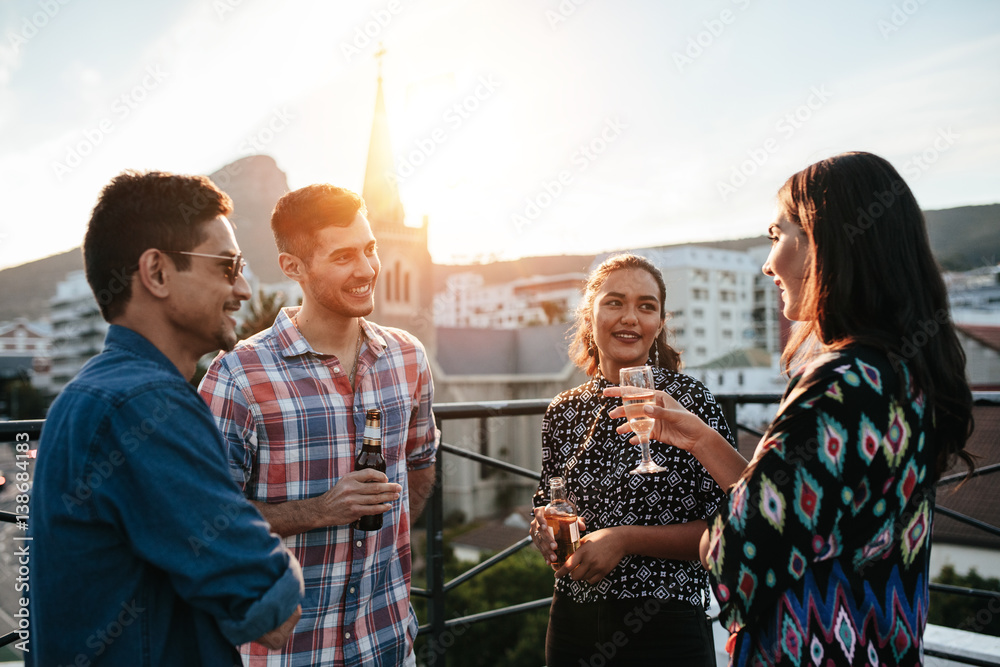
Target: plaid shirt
{"type": "Point", "coordinates": [294, 427]}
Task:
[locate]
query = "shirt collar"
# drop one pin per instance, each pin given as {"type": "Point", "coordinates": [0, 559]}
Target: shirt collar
{"type": "Point", "coordinates": [294, 344]}
{"type": "Point", "coordinates": [134, 342]}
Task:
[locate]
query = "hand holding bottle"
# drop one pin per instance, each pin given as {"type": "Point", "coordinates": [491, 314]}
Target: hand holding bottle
{"type": "Point", "coordinates": [555, 529]}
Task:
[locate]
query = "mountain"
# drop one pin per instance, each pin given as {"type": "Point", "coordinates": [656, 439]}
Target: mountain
{"type": "Point", "coordinates": [25, 290]}
{"type": "Point", "coordinates": [255, 184]}
{"type": "Point", "coordinates": [966, 237]}
{"type": "Point", "coordinates": [962, 238]}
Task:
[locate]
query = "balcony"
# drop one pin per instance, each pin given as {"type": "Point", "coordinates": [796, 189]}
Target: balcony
{"type": "Point", "coordinates": [440, 632]}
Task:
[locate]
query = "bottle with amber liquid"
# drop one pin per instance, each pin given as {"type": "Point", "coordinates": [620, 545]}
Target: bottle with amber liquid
{"type": "Point", "coordinates": [371, 457]}
{"type": "Point", "coordinates": [560, 515]}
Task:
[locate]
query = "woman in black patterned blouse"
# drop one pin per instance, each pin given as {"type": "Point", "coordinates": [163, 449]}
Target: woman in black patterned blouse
{"type": "Point", "coordinates": [634, 592]}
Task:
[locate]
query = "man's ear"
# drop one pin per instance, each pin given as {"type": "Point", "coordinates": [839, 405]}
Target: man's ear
{"type": "Point", "coordinates": [292, 266]}
{"type": "Point", "coordinates": [152, 273]}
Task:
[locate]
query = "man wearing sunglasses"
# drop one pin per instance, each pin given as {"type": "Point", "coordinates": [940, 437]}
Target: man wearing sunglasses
{"type": "Point", "coordinates": [143, 550]}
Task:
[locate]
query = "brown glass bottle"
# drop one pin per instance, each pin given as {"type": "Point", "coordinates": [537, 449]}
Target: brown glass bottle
{"type": "Point", "coordinates": [560, 515]}
{"type": "Point", "coordinates": [371, 457]}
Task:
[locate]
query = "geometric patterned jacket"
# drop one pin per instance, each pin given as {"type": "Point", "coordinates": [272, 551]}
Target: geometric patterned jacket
{"type": "Point", "coordinates": [821, 555]}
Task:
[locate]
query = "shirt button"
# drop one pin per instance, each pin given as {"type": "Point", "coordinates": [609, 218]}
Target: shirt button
{"type": "Point", "coordinates": [351, 589]}
{"type": "Point", "coordinates": [347, 635]}
{"type": "Point", "coordinates": [336, 369]}
{"type": "Point", "coordinates": [359, 543]}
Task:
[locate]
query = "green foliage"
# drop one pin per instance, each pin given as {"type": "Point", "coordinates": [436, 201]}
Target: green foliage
{"type": "Point", "coordinates": [263, 309]}
{"type": "Point", "coordinates": [20, 400]}
{"type": "Point", "coordinates": [974, 614]}
{"type": "Point", "coordinates": [509, 641]}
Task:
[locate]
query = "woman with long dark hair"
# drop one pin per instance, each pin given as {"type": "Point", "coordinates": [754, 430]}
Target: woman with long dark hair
{"type": "Point", "coordinates": [821, 554]}
{"type": "Point", "coordinates": [634, 588]}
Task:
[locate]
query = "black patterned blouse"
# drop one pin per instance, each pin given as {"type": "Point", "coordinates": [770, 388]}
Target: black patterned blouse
{"type": "Point", "coordinates": [599, 483]}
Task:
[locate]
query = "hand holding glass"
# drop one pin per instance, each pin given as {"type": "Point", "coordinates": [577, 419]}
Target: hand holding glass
{"type": "Point", "coordinates": [638, 391]}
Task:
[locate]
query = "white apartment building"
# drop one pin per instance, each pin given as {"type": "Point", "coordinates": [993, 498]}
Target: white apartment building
{"type": "Point", "coordinates": [711, 300]}
{"type": "Point", "coordinates": [540, 300]}
{"type": "Point", "coordinates": [77, 328]}
{"type": "Point", "coordinates": [25, 348]}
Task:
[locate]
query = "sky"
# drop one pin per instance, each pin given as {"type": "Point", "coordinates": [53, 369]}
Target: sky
{"type": "Point", "coordinates": [523, 127]}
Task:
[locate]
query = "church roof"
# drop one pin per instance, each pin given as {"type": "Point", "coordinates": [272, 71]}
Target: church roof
{"type": "Point", "coordinates": [524, 351]}
{"type": "Point", "coordinates": [380, 192]}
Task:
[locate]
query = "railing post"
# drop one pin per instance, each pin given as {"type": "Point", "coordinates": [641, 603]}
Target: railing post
{"type": "Point", "coordinates": [728, 405]}
{"type": "Point", "coordinates": [435, 566]}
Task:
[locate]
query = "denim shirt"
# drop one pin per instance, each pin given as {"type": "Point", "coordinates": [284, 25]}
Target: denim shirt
{"type": "Point", "coordinates": [143, 551]}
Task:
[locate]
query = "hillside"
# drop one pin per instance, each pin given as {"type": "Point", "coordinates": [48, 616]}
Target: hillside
{"type": "Point", "coordinates": [966, 237]}
{"type": "Point", "coordinates": [962, 238]}
{"type": "Point", "coordinates": [254, 184]}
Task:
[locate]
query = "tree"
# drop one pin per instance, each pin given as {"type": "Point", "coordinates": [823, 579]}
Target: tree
{"type": "Point", "coordinates": [508, 641]}
{"type": "Point", "coordinates": [264, 308]}
{"type": "Point", "coordinates": [964, 612]}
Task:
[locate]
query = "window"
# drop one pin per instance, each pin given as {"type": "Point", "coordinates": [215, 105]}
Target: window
{"type": "Point", "coordinates": [727, 334]}
{"type": "Point", "coordinates": [726, 315]}
{"type": "Point", "coordinates": [698, 312]}
{"type": "Point", "coordinates": [699, 331]}
{"type": "Point", "coordinates": [699, 294]}
{"type": "Point", "coordinates": [700, 351]}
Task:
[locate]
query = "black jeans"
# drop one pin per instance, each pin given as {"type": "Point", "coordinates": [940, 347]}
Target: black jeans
{"type": "Point", "coordinates": [629, 632]}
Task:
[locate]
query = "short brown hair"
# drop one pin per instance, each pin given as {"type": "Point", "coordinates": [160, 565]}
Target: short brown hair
{"type": "Point", "coordinates": [299, 214]}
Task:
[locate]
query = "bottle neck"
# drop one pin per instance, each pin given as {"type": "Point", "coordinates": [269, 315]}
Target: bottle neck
{"type": "Point", "coordinates": [558, 492]}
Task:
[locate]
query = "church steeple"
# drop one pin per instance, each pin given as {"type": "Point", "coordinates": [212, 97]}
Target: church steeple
{"type": "Point", "coordinates": [385, 210]}
{"type": "Point", "coordinates": [404, 292]}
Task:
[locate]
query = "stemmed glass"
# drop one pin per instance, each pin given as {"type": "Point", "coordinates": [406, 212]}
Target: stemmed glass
{"type": "Point", "coordinates": [637, 391]}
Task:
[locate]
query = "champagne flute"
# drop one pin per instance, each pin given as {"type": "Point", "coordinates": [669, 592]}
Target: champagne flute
{"type": "Point", "coordinates": [637, 391]}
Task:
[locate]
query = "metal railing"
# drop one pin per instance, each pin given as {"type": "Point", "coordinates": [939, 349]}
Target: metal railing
{"type": "Point", "coordinates": [437, 588]}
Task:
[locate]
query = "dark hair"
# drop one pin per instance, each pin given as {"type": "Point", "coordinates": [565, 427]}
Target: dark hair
{"type": "Point", "coordinates": [872, 279]}
{"type": "Point", "coordinates": [582, 350]}
{"type": "Point", "coordinates": [299, 214]}
{"type": "Point", "coordinates": [137, 211]}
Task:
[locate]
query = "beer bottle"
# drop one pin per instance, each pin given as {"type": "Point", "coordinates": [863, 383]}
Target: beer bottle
{"type": "Point", "coordinates": [371, 457]}
{"type": "Point", "coordinates": [560, 515]}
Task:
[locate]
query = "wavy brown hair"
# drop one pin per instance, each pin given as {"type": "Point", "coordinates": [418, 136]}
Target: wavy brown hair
{"type": "Point", "coordinates": [872, 279]}
{"type": "Point", "coordinates": [582, 350]}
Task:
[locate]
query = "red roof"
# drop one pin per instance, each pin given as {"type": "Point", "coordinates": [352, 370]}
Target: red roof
{"type": "Point", "coordinates": [984, 335]}
{"type": "Point", "coordinates": [979, 497]}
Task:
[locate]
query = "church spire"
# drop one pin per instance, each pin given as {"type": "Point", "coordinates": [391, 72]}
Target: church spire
{"type": "Point", "coordinates": [379, 192]}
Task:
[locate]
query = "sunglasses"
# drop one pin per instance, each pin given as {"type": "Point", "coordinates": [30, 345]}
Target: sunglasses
{"type": "Point", "coordinates": [233, 269]}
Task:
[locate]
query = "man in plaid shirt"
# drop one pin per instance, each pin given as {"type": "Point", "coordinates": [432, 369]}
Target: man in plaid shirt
{"type": "Point", "coordinates": [291, 403]}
